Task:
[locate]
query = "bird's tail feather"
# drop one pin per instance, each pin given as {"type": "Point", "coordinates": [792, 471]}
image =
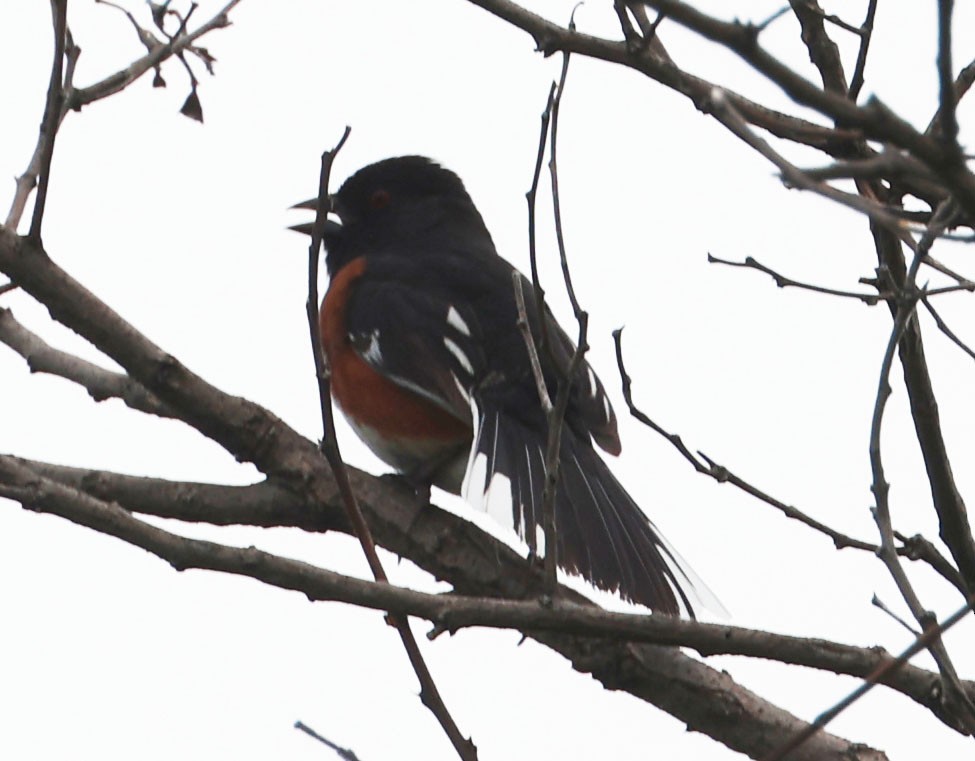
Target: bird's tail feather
{"type": "Point", "coordinates": [602, 533]}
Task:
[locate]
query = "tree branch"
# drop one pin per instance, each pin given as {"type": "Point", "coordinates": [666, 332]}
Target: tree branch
{"type": "Point", "coordinates": [101, 384]}
{"type": "Point", "coordinates": [574, 616]}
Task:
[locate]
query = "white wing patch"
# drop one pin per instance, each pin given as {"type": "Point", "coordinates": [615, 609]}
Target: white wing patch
{"type": "Point", "coordinates": [459, 354]}
{"type": "Point", "coordinates": [457, 322]}
{"type": "Point", "coordinates": [592, 383]}
{"type": "Point", "coordinates": [373, 354]}
{"type": "Point", "coordinates": [463, 391]}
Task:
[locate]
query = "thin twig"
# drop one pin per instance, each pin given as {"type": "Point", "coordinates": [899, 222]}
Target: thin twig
{"type": "Point", "coordinates": [963, 83]}
{"type": "Point", "coordinates": [725, 112]}
{"type": "Point", "coordinates": [934, 264]}
{"type": "Point", "coordinates": [79, 97]}
{"type": "Point", "coordinates": [834, 19]}
{"type": "Point", "coordinates": [705, 465]}
{"type": "Point", "coordinates": [101, 384]}
{"type": "Point", "coordinates": [866, 33]}
{"type": "Point", "coordinates": [530, 197]}
{"type": "Point", "coordinates": [946, 109]}
{"type": "Point", "coordinates": [775, 16]}
{"type": "Point", "coordinates": [930, 634]}
{"type": "Point", "coordinates": [518, 284]}
{"type": "Point", "coordinates": [870, 299]}
{"type": "Point", "coordinates": [52, 116]}
{"type": "Point", "coordinates": [888, 164]}
{"type": "Point", "coordinates": [880, 487]}
{"type": "Point", "coordinates": [556, 415]}
{"type": "Point", "coordinates": [344, 753]}
{"type": "Point", "coordinates": [429, 693]}
{"type": "Point", "coordinates": [75, 98]}
{"type": "Point", "coordinates": [943, 327]}
{"type": "Point", "coordinates": [880, 604]}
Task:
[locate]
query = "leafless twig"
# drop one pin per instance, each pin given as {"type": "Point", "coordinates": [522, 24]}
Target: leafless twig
{"type": "Point", "coordinates": [344, 753]}
{"type": "Point", "coordinates": [704, 465]}
{"type": "Point", "coordinates": [943, 327]}
{"type": "Point", "coordinates": [881, 605]}
{"type": "Point", "coordinates": [880, 487]}
{"type": "Point", "coordinates": [866, 33]}
{"type": "Point", "coordinates": [429, 693]}
{"type": "Point", "coordinates": [930, 634]}
{"type": "Point", "coordinates": [73, 99]}
{"type": "Point", "coordinates": [948, 120]}
{"type": "Point", "coordinates": [525, 327]}
{"type": "Point", "coordinates": [870, 299]}
{"type": "Point", "coordinates": [101, 384]}
{"type": "Point", "coordinates": [52, 116]}
{"type": "Point", "coordinates": [556, 415]}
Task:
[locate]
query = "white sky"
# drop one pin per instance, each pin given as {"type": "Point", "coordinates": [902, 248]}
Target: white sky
{"type": "Point", "coordinates": [106, 652]}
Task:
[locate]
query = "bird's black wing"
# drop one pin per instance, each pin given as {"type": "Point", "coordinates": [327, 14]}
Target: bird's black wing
{"type": "Point", "coordinates": [449, 332]}
{"type": "Point", "coordinates": [422, 338]}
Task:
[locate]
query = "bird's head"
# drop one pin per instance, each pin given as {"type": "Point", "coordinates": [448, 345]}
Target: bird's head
{"type": "Point", "coordinates": [403, 206]}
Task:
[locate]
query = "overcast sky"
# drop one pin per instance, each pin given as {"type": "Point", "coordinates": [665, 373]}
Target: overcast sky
{"type": "Point", "coordinates": [106, 652]}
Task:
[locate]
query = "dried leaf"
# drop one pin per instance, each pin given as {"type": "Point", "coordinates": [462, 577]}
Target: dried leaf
{"type": "Point", "coordinates": [192, 107]}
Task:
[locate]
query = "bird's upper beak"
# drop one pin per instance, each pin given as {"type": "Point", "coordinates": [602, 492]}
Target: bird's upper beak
{"type": "Point", "coordinates": [333, 227]}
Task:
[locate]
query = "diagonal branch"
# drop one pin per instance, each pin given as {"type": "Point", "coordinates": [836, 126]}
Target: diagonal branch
{"type": "Point", "coordinates": [101, 384]}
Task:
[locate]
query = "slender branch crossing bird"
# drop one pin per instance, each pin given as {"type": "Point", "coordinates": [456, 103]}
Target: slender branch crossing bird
{"type": "Point", "coordinates": [429, 366]}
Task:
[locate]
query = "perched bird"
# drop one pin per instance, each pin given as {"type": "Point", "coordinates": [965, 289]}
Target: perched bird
{"type": "Point", "coordinates": [429, 366]}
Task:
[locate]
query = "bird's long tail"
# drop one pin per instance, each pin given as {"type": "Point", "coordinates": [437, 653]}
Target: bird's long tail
{"type": "Point", "coordinates": [602, 533]}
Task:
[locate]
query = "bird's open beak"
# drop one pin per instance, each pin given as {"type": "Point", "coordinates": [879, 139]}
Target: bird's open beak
{"type": "Point", "coordinates": [333, 227]}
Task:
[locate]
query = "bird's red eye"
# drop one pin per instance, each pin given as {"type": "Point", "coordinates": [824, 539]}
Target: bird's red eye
{"type": "Point", "coordinates": [380, 199]}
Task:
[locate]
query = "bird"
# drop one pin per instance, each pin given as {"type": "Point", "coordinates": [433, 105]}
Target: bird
{"type": "Point", "coordinates": [420, 327]}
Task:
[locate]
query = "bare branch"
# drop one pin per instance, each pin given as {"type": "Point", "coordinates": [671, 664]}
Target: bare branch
{"type": "Point", "coordinates": [870, 299]}
{"type": "Point", "coordinates": [77, 98]}
{"type": "Point", "coordinates": [943, 327]}
{"type": "Point", "coordinates": [963, 82]}
{"type": "Point", "coordinates": [429, 693]}
{"type": "Point", "coordinates": [866, 34]}
{"type": "Point", "coordinates": [725, 112]}
{"type": "Point", "coordinates": [344, 753]}
{"type": "Point", "coordinates": [931, 633]}
{"type": "Point", "coordinates": [880, 487]}
{"type": "Point", "coordinates": [822, 50]}
{"type": "Point", "coordinates": [708, 467]}
{"type": "Point", "coordinates": [948, 120]}
{"type": "Point", "coordinates": [100, 383]}
{"type": "Point", "coordinates": [954, 526]}
{"type": "Point", "coordinates": [73, 99]}
{"type": "Point", "coordinates": [523, 325]}
{"type": "Point", "coordinates": [52, 117]}
{"type": "Point", "coordinates": [574, 617]}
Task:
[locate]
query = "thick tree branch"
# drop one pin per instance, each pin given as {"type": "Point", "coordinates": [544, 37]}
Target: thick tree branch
{"type": "Point", "coordinates": [265, 504]}
{"type": "Point", "coordinates": [873, 120]}
{"type": "Point", "coordinates": [572, 615]}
